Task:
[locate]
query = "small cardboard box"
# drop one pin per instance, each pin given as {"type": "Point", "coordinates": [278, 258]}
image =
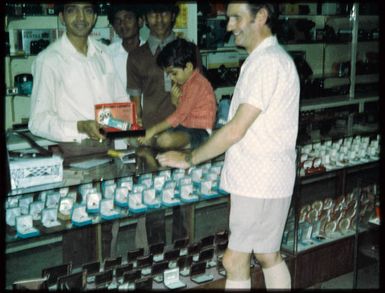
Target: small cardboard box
{"type": "Point", "coordinates": [116, 116]}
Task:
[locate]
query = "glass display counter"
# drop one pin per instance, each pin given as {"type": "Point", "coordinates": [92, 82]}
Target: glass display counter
{"type": "Point", "coordinates": [91, 199]}
{"type": "Point", "coordinates": [323, 219]}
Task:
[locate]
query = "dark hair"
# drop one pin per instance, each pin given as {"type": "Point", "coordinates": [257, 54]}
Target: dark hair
{"type": "Point", "coordinates": [169, 6]}
{"type": "Point", "coordinates": [177, 53]}
{"type": "Point", "coordinates": [271, 8]}
{"type": "Point", "coordinates": [60, 6]}
{"type": "Point", "coordinates": [115, 8]}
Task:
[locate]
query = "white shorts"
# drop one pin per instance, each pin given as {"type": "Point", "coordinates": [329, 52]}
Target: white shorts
{"type": "Point", "coordinates": [257, 224]}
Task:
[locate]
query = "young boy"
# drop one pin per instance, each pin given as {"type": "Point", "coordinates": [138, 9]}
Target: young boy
{"type": "Point", "coordinates": [192, 121]}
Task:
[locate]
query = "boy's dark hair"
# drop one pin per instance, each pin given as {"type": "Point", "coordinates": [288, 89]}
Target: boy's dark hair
{"type": "Point", "coordinates": [115, 8]}
{"type": "Point", "coordinates": [151, 6]}
{"type": "Point", "coordinates": [59, 7]}
{"type": "Point", "coordinates": [177, 54]}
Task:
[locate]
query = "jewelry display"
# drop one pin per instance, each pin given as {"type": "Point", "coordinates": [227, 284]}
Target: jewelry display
{"type": "Point", "coordinates": [150, 198]}
{"type": "Point", "coordinates": [79, 216]}
{"type": "Point", "coordinates": [207, 189]}
{"type": "Point", "coordinates": [159, 182]}
{"type": "Point", "coordinates": [320, 157]}
{"type": "Point", "coordinates": [12, 202]}
{"type": "Point", "coordinates": [107, 210]}
{"type": "Point", "coordinates": [35, 209]}
{"type": "Point", "coordinates": [186, 193]}
{"type": "Point", "coordinates": [24, 203]}
{"type": "Point", "coordinates": [121, 197]}
{"type": "Point", "coordinates": [11, 214]}
{"type": "Point", "coordinates": [93, 202]}
{"type": "Point", "coordinates": [65, 207]}
{"type": "Point", "coordinates": [146, 180]}
{"type": "Point", "coordinates": [127, 182]}
{"type": "Point", "coordinates": [108, 189]}
{"type": "Point", "coordinates": [135, 204]}
{"type": "Point", "coordinates": [52, 200]}
{"type": "Point", "coordinates": [168, 197]}
{"type": "Point", "coordinates": [49, 218]}
{"type": "Point", "coordinates": [24, 227]}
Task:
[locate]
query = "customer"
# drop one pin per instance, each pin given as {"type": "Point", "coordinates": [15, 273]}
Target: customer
{"type": "Point", "coordinates": [194, 116]}
{"type": "Point", "coordinates": [259, 140]}
{"type": "Point", "coordinates": [70, 77]}
{"type": "Point", "coordinates": [149, 88]}
{"type": "Point", "coordinates": [126, 20]}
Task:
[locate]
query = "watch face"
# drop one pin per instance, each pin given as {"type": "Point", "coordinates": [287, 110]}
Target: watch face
{"type": "Point", "coordinates": [350, 197]}
{"type": "Point", "coordinates": [351, 211]}
{"type": "Point", "coordinates": [65, 206]}
{"type": "Point", "coordinates": [330, 227]}
{"type": "Point", "coordinates": [312, 216]}
{"type": "Point", "coordinates": [303, 212]}
{"type": "Point", "coordinates": [317, 205]}
{"type": "Point", "coordinates": [343, 225]}
{"type": "Point", "coordinates": [328, 203]}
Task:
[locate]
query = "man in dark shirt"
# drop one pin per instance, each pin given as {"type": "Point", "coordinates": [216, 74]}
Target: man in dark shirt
{"type": "Point", "coordinates": [144, 77]}
{"type": "Point", "coordinates": [149, 88]}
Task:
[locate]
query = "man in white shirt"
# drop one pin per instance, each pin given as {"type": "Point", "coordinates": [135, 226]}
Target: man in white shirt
{"type": "Point", "coordinates": [70, 77]}
{"type": "Point", "coordinates": [259, 140]}
{"type": "Point", "coordinates": [126, 20]}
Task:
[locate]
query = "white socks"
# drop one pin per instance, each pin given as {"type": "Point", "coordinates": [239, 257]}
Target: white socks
{"type": "Point", "coordinates": [245, 285]}
{"type": "Point", "coordinates": [277, 277]}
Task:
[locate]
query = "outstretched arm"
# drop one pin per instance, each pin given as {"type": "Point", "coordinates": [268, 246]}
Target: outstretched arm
{"type": "Point", "coordinates": [218, 143]}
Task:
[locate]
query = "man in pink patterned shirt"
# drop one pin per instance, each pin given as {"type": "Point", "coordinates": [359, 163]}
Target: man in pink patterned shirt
{"type": "Point", "coordinates": [260, 143]}
{"type": "Point", "coordinates": [192, 121]}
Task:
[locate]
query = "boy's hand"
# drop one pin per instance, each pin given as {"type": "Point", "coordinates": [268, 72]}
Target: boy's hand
{"type": "Point", "coordinates": [176, 92]}
{"type": "Point", "coordinates": [146, 140]}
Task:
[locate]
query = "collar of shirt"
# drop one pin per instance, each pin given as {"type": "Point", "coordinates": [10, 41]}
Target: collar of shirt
{"type": "Point", "coordinates": [68, 46]}
{"type": "Point", "coordinates": [154, 42]}
{"type": "Point", "coordinates": [190, 80]}
{"type": "Point", "coordinates": [117, 47]}
{"type": "Point", "coordinates": [269, 41]}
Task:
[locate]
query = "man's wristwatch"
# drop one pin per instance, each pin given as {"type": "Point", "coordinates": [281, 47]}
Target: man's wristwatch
{"type": "Point", "coordinates": [188, 158]}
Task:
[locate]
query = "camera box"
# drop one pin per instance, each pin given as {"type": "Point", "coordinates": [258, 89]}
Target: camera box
{"type": "Point", "coordinates": [115, 116]}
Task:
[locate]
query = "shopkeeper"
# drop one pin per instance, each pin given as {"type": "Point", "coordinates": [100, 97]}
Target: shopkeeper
{"type": "Point", "coordinates": [70, 77]}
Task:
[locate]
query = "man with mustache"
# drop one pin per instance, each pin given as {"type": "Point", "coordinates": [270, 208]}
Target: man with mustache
{"type": "Point", "coordinates": [70, 76]}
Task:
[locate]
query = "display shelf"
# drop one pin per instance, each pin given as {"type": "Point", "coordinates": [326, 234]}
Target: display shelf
{"type": "Point", "coordinates": [113, 174]}
{"type": "Point", "coordinates": [335, 101]}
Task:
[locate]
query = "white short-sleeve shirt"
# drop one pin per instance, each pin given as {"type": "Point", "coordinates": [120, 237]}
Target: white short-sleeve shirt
{"type": "Point", "coordinates": [66, 87]}
{"type": "Point", "coordinates": [119, 57]}
{"type": "Point", "coordinates": [262, 163]}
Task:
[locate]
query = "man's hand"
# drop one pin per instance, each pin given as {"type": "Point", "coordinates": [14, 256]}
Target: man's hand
{"type": "Point", "coordinates": [176, 92]}
{"type": "Point", "coordinates": [91, 128]}
{"type": "Point", "coordinates": [173, 159]}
